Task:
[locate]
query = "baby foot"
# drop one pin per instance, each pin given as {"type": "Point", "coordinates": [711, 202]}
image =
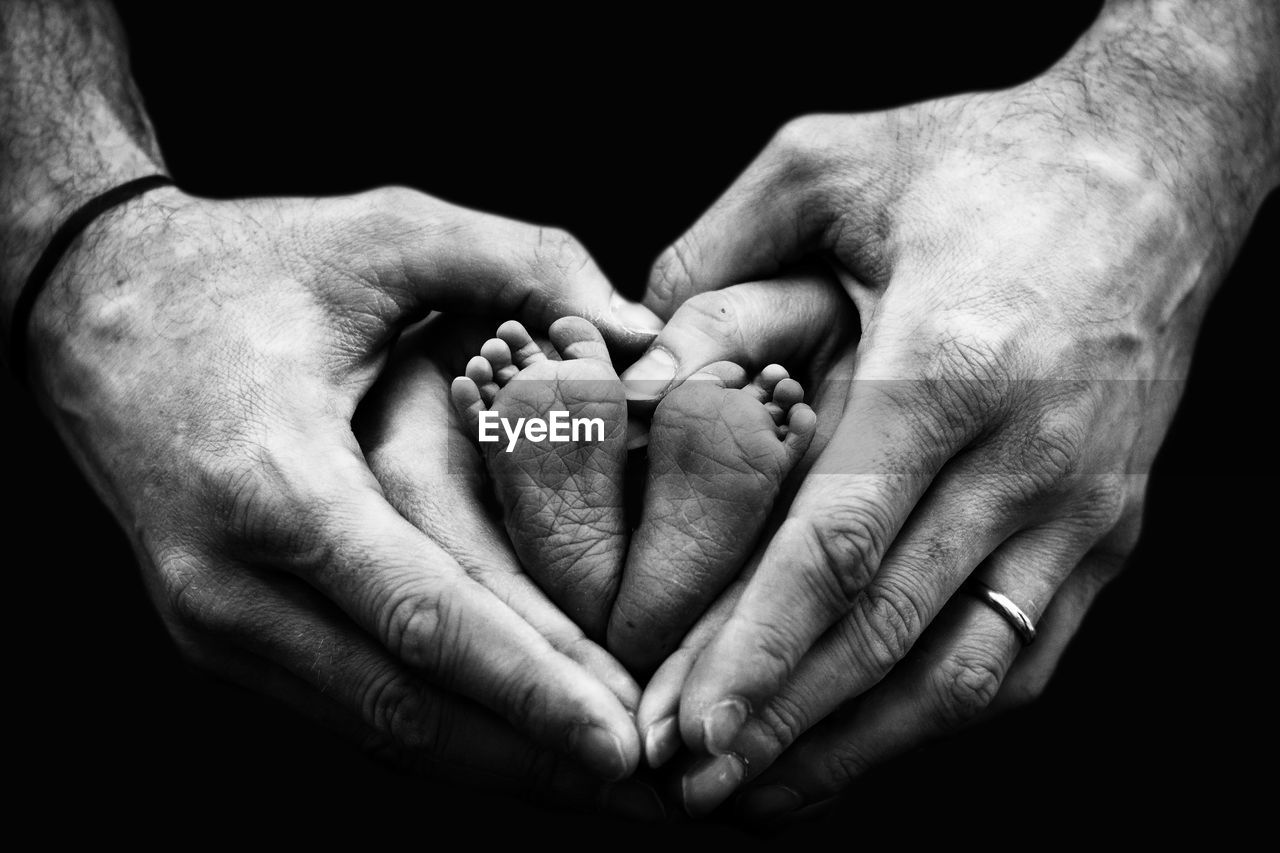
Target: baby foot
{"type": "Point", "coordinates": [719, 450]}
{"type": "Point", "coordinates": [562, 501]}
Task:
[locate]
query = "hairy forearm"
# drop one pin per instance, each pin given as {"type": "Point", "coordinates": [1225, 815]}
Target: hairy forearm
{"type": "Point", "coordinates": [1194, 88]}
{"type": "Point", "coordinates": [71, 123]}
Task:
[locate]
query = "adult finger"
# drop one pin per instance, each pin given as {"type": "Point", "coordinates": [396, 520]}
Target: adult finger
{"type": "Point", "coordinates": [419, 253]}
{"type": "Point", "coordinates": [951, 679]}
{"type": "Point", "coordinates": [657, 717]}
{"type": "Point", "coordinates": [783, 206]}
{"type": "Point", "coordinates": [430, 473]}
{"type": "Point", "coordinates": [970, 509]}
{"type": "Point", "coordinates": [295, 646]}
{"type": "Point", "coordinates": [1031, 672]}
{"type": "Point", "coordinates": [894, 438]}
{"type": "Point", "coordinates": [349, 543]}
{"type": "Point", "coordinates": [793, 321]}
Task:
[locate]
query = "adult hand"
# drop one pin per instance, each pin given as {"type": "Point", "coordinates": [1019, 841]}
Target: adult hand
{"type": "Point", "coordinates": [434, 476]}
{"type": "Point", "coordinates": [203, 361]}
{"type": "Point", "coordinates": [802, 321]}
{"type": "Point", "coordinates": [1030, 267]}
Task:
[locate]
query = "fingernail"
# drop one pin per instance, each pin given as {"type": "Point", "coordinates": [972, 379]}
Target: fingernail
{"type": "Point", "coordinates": [636, 801]}
{"type": "Point", "coordinates": [650, 376]}
{"type": "Point", "coordinates": [661, 740]}
{"type": "Point", "coordinates": [600, 750]}
{"type": "Point", "coordinates": [768, 803]}
{"type": "Point", "coordinates": [720, 726]}
{"type": "Point", "coordinates": [711, 782]}
{"type": "Point", "coordinates": [633, 316]}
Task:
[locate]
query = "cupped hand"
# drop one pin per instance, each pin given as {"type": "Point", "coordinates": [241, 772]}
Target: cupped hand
{"type": "Point", "coordinates": [803, 322]}
{"type": "Point", "coordinates": [1029, 283]}
{"type": "Point", "coordinates": [432, 473]}
{"type": "Point", "coordinates": [203, 361]}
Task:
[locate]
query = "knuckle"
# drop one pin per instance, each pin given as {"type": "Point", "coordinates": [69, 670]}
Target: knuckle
{"type": "Point", "coordinates": [846, 543]}
{"type": "Point", "coordinates": [840, 767]}
{"type": "Point", "coordinates": [802, 145]}
{"type": "Point", "coordinates": [190, 597]}
{"type": "Point", "coordinates": [403, 712]}
{"type": "Point", "coordinates": [964, 685]}
{"type": "Point", "coordinates": [394, 201]}
{"type": "Point", "coordinates": [1105, 502]}
{"type": "Point", "coordinates": [389, 209]}
{"type": "Point", "coordinates": [1051, 455]}
{"type": "Point", "coordinates": [784, 721]}
{"type": "Point", "coordinates": [418, 631]}
{"type": "Point", "coordinates": [522, 700]}
{"type": "Point", "coordinates": [890, 620]}
{"type": "Point", "coordinates": [777, 639]}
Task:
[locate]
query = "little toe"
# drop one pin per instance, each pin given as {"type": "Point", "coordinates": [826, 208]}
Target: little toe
{"type": "Point", "coordinates": [802, 424]}
{"type": "Point", "coordinates": [525, 351]}
{"type": "Point", "coordinates": [467, 402]}
{"type": "Point", "coordinates": [499, 356]}
{"type": "Point", "coordinates": [480, 372]}
{"type": "Point", "coordinates": [788, 393]}
{"type": "Point", "coordinates": [576, 337]}
{"type": "Point", "coordinates": [772, 375]}
{"type": "Point", "coordinates": [766, 380]}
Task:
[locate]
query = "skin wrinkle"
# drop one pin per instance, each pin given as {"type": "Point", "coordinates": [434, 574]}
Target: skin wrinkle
{"type": "Point", "coordinates": [1181, 150]}
{"type": "Point", "coordinates": [1091, 211]}
{"type": "Point", "coordinates": [476, 556]}
{"type": "Point", "coordinates": [210, 423]}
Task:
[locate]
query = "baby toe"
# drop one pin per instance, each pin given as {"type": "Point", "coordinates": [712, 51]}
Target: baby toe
{"type": "Point", "coordinates": [788, 393]}
{"type": "Point", "coordinates": [525, 351]}
{"type": "Point", "coordinates": [480, 372]}
{"type": "Point", "coordinates": [576, 337]}
{"type": "Point", "coordinates": [498, 354]}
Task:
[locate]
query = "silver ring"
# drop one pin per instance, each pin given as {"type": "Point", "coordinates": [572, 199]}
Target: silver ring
{"type": "Point", "coordinates": [1001, 604]}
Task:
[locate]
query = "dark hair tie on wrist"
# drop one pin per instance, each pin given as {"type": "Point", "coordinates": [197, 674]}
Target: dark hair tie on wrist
{"type": "Point", "coordinates": [58, 243]}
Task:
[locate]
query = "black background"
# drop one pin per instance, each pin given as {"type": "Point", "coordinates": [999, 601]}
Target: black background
{"type": "Point", "coordinates": [622, 127]}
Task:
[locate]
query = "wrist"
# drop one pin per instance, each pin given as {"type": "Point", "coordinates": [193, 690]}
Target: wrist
{"type": "Point", "coordinates": [1189, 95]}
{"type": "Point", "coordinates": [96, 293]}
{"type": "Point", "coordinates": [72, 126]}
{"type": "Point", "coordinates": [41, 199]}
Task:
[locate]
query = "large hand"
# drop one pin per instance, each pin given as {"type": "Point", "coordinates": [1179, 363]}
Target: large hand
{"type": "Point", "coordinates": [203, 361]}
{"type": "Point", "coordinates": [1030, 267]}
{"type": "Point", "coordinates": [701, 518]}
{"type": "Point", "coordinates": [432, 473]}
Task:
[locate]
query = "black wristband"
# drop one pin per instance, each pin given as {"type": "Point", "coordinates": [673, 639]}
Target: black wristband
{"type": "Point", "coordinates": [58, 243]}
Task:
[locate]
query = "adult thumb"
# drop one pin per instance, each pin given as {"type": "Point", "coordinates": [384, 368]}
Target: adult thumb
{"type": "Point", "coordinates": [776, 211]}
{"type": "Point", "coordinates": [429, 255]}
{"type": "Point", "coordinates": [794, 321]}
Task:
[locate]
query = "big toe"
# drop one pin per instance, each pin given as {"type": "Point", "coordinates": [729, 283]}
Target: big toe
{"type": "Point", "coordinates": [577, 338]}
